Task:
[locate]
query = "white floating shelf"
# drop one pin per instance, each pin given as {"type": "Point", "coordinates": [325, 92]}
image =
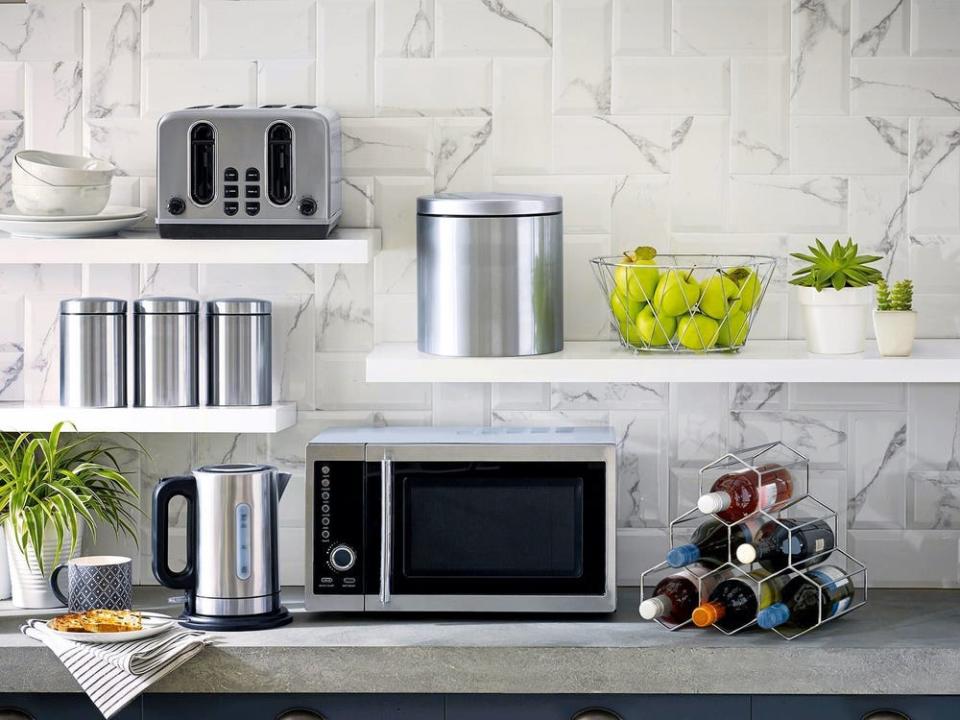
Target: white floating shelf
{"type": "Point", "coordinates": [345, 246]}
{"type": "Point", "coordinates": [759, 361]}
{"type": "Point", "coordinates": [267, 419]}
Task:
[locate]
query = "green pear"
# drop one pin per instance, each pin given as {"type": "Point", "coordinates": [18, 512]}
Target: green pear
{"type": "Point", "coordinates": [654, 330]}
{"type": "Point", "coordinates": [733, 330]}
{"type": "Point", "coordinates": [749, 285]}
{"type": "Point", "coordinates": [624, 309]}
{"type": "Point", "coordinates": [698, 332]}
{"type": "Point", "coordinates": [636, 275]}
{"type": "Point", "coordinates": [677, 293]}
{"type": "Point", "coordinates": [715, 297]}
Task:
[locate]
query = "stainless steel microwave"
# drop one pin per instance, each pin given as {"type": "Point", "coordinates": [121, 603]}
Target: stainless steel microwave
{"type": "Point", "coordinates": [427, 519]}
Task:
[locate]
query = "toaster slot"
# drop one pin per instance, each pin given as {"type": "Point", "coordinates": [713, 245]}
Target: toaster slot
{"type": "Point", "coordinates": [202, 163]}
{"type": "Point", "coordinates": [280, 163]}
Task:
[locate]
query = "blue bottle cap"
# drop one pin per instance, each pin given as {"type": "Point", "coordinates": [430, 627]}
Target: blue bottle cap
{"type": "Point", "coordinates": [771, 617]}
{"type": "Point", "coordinates": [683, 555]}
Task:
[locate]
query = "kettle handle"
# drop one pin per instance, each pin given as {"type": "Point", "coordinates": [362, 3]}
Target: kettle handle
{"type": "Point", "coordinates": [168, 488]}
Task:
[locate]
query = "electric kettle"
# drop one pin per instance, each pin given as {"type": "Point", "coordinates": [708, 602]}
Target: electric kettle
{"type": "Point", "coordinates": [231, 576]}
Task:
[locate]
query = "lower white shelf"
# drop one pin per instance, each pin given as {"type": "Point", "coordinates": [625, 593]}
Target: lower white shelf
{"type": "Point", "coordinates": [760, 361]}
{"type": "Point", "coordinates": [15, 417]}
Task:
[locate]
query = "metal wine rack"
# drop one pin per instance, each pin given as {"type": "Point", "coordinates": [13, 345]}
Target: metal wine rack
{"type": "Point", "coordinates": [774, 456]}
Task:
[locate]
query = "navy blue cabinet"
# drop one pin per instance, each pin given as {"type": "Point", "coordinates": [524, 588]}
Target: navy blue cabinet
{"type": "Point", "coordinates": [272, 707]}
{"type": "Point", "coordinates": [628, 707]}
{"type": "Point", "coordinates": [853, 707]}
{"type": "Point", "coordinates": [43, 706]}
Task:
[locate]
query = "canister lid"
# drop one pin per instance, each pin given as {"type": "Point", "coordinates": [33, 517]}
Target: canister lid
{"type": "Point", "coordinates": [238, 306]}
{"type": "Point", "coordinates": [165, 306]}
{"type": "Point", "coordinates": [93, 306]}
{"type": "Point", "coordinates": [489, 204]}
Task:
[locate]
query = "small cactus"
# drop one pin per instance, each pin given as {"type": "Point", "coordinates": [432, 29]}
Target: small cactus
{"type": "Point", "coordinates": [900, 298]}
{"type": "Point", "coordinates": [883, 296]}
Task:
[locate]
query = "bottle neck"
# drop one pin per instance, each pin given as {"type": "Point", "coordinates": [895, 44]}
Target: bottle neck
{"type": "Point", "coordinates": [713, 502]}
{"type": "Point", "coordinates": [655, 607]}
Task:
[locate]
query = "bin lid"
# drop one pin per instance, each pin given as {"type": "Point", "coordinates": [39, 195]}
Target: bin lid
{"type": "Point", "coordinates": [489, 204]}
{"type": "Point", "coordinates": [166, 306]}
{"type": "Point", "coordinates": [93, 306]}
{"type": "Point", "coordinates": [238, 306]}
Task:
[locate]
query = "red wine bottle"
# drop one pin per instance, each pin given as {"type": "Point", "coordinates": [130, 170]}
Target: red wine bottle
{"type": "Point", "coordinates": [676, 596]}
{"type": "Point", "coordinates": [790, 540]}
{"type": "Point", "coordinates": [804, 604]}
{"type": "Point", "coordinates": [735, 495]}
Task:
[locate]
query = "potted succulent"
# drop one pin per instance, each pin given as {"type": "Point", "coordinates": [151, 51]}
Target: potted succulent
{"type": "Point", "coordinates": [835, 291]}
{"type": "Point", "coordinates": [50, 490]}
{"type": "Point", "coordinates": [894, 321]}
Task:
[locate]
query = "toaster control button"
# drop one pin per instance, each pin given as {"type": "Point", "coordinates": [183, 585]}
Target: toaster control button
{"type": "Point", "coordinates": [252, 175]}
{"type": "Point", "coordinates": [230, 174]}
{"type": "Point", "coordinates": [176, 206]}
{"type": "Point", "coordinates": [231, 191]}
{"type": "Point", "coordinates": [342, 558]}
{"type": "Point", "coordinates": [252, 191]}
{"type": "Point", "coordinates": [231, 208]}
{"type": "Point", "coordinates": [308, 206]}
{"type": "Point", "coordinates": [252, 208]}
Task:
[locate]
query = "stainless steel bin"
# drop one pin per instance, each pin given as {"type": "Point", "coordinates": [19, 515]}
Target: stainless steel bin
{"type": "Point", "coordinates": [239, 351]}
{"type": "Point", "coordinates": [165, 331]}
{"type": "Point", "coordinates": [93, 352]}
{"type": "Point", "coordinates": [490, 274]}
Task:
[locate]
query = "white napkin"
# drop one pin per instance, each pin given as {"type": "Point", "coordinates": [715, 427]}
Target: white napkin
{"type": "Point", "coordinates": [113, 674]}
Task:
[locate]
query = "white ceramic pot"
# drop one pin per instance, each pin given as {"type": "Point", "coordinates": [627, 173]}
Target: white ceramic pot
{"type": "Point", "coordinates": [895, 330]}
{"type": "Point", "coordinates": [67, 200]}
{"type": "Point", "coordinates": [31, 588]}
{"type": "Point", "coordinates": [5, 590]}
{"type": "Point", "coordinates": [836, 320]}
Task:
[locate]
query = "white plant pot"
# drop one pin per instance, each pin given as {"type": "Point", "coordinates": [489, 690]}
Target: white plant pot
{"type": "Point", "coordinates": [836, 320]}
{"type": "Point", "coordinates": [31, 588]}
{"type": "Point", "coordinates": [895, 330]}
{"type": "Point", "coordinates": [5, 590]}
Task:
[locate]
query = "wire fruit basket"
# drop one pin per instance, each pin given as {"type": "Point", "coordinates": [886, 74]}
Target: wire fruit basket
{"type": "Point", "coordinates": [683, 303]}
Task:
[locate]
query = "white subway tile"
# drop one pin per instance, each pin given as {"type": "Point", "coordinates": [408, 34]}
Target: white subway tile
{"type": "Point", "coordinates": [642, 468]}
{"type": "Point", "coordinates": [460, 404]}
{"type": "Point", "coordinates": [460, 86]}
{"type": "Point", "coordinates": [938, 315]}
{"type": "Point", "coordinates": [880, 27]}
{"type": "Point", "coordinates": [637, 550]}
{"type": "Point", "coordinates": [522, 108]}
{"type": "Point", "coordinates": [41, 349]}
{"type": "Point", "coordinates": [549, 418]}
{"type": "Point", "coordinates": [520, 396]}
{"type": "Point", "coordinates": [394, 318]}
{"type": "Point", "coordinates": [933, 499]}
{"type": "Point", "coordinates": [585, 312]}
{"type": "Point", "coordinates": [788, 203]}
{"type": "Point", "coordinates": [357, 200]}
{"type": "Point", "coordinates": [913, 558]}
{"type": "Point", "coordinates": [257, 29]}
{"type": "Point", "coordinates": [342, 385]}
{"type": "Point", "coordinates": [698, 432]}
{"type": "Point", "coordinates": [673, 86]}
{"type": "Point", "coordinates": [53, 117]}
{"type": "Point", "coordinates": [879, 464]}
{"type": "Point", "coordinates": [522, 27]}
{"type": "Point", "coordinates": [848, 396]}
{"type": "Point", "coordinates": [878, 220]}
{"type": "Point", "coordinates": [581, 57]}
{"type": "Point", "coordinates": [111, 59]}
{"type": "Point", "coordinates": [820, 57]}
{"type": "Point", "coordinates": [821, 436]}
{"type": "Point", "coordinates": [395, 271]}
{"type": "Point", "coordinates": [905, 86]}
{"type": "Point", "coordinates": [169, 279]}
{"type": "Point", "coordinates": [758, 396]}
{"type": "Point", "coordinates": [344, 308]}
{"type": "Point", "coordinates": [287, 82]}
{"type": "Point", "coordinates": [387, 146]}
{"type": "Point", "coordinates": [175, 84]}
{"type": "Point", "coordinates": [641, 27]}
{"type": "Point", "coordinates": [11, 91]}
{"type": "Point", "coordinates": [640, 208]}
{"type": "Point", "coordinates": [610, 396]}
{"type": "Point", "coordinates": [405, 28]}
{"type": "Point", "coordinates": [42, 30]}
{"type": "Point", "coordinates": [848, 145]}
{"type": "Point", "coordinates": [737, 27]}
{"type": "Point", "coordinates": [345, 55]}
{"type": "Point", "coordinates": [611, 144]}
{"type": "Point", "coordinates": [11, 140]}
{"type": "Point", "coordinates": [294, 343]}
{"type": "Point", "coordinates": [935, 262]}
{"type": "Point", "coordinates": [934, 425]}
{"type": "Point", "coordinates": [170, 29]}
{"type": "Point", "coordinates": [759, 89]}
{"type": "Point", "coordinates": [934, 27]}
{"type": "Point", "coordinates": [462, 161]}
{"type": "Point", "coordinates": [934, 201]}
{"type": "Point", "coordinates": [222, 279]}
{"type": "Point", "coordinates": [130, 144]}
{"type": "Point", "coordinates": [587, 199]}
{"type": "Point", "coordinates": [396, 210]}
{"type": "Point", "coordinates": [699, 173]}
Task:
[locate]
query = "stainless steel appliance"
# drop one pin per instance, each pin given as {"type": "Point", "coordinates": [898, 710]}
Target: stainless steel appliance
{"type": "Point", "coordinates": [238, 171]}
{"type": "Point", "coordinates": [461, 519]}
{"type": "Point", "coordinates": [490, 274]}
{"type": "Point", "coordinates": [93, 352]}
{"type": "Point", "coordinates": [231, 576]}
{"type": "Point", "coordinates": [165, 352]}
{"type": "Point", "coordinates": [239, 370]}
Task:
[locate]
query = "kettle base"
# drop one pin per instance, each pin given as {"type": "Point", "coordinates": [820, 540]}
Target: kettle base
{"type": "Point", "coordinates": [236, 623]}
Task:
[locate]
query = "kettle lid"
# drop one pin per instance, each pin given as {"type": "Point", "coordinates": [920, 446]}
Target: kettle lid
{"type": "Point", "coordinates": [235, 469]}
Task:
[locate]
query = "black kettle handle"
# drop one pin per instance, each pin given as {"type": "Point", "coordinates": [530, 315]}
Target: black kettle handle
{"type": "Point", "coordinates": [168, 488]}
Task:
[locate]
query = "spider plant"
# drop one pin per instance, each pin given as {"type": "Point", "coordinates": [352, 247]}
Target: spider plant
{"type": "Point", "coordinates": [47, 481]}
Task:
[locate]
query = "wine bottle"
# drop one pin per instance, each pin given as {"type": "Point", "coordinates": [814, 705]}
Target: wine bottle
{"type": "Point", "coordinates": [803, 604]}
{"type": "Point", "coordinates": [795, 540]}
{"type": "Point", "coordinates": [711, 543]}
{"type": "Point", "coordinates": [676, 596]}
{"type": "Point", "coordinates": [735, 495]}
{"type": "Point", "coordinates": [735, 602]}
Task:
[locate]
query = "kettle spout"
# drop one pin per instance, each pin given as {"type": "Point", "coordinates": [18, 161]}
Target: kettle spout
{"type": "Point", "coordinates": [282, 480]}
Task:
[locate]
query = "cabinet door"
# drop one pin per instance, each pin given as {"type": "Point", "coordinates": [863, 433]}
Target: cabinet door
{"type": "Point", "coordinates": [58, 706]}
{"type": "Point", "coordinates": [272, 707]}
{"type": "Point", "coordinates": [853, 707]}
{"type": "Point", "coordinates": [628, 707]}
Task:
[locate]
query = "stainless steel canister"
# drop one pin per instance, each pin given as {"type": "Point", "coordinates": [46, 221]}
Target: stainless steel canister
{"type": "Point", "coordinates": [93, 352]}
{"type": "Point", "coordinates": [490, 274]}
{"type": "Point", "coordinates": [238, 341]}
{"type": "Point", "coordinates": [165, 331]}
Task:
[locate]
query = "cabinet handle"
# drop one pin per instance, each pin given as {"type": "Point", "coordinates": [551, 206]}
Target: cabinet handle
{"type": "Point", "coordinates": [298, 714]}
{"type": "Point", "coordinates": [885, 715]}
{"type": "Point", "coordinates": [14, 714]}
{"type": "Point", "coordinates": [596, 714]}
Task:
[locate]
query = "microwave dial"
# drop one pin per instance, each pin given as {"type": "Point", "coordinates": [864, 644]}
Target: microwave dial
{"type": "Point", "coordinates": [342, 558]}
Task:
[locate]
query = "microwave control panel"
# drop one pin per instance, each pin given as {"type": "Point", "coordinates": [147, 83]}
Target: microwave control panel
{"type": "Point", "coordinates": [338, 527]}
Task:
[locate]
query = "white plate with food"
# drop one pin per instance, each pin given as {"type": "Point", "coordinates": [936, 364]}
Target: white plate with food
{"type": "Point", "coordinates": [111, 220]}
{"type": "Point", "coordinates": [109, 626]}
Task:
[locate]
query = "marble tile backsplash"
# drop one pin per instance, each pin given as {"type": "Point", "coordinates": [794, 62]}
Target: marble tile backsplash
{"type": "Point", "coordinates": [694, 125]}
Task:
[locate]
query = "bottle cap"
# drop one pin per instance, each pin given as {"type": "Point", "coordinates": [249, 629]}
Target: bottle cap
{"type": "Point", "coordinates": [747, 553]}
{"type": "Point", "coordinates": [708, 613]}
{"type": "Point", "coordinates": [713, 502]}
{"type": "Point", "coordinates": [683, 555]}
{"type": "Point", "coordinates": [771, 617]}
{"type": "Point", "coordinates": [655, 607]}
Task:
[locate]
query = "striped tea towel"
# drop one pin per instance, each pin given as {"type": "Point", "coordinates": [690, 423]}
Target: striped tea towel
{"type": "Point", "coordinates": [113, 674]}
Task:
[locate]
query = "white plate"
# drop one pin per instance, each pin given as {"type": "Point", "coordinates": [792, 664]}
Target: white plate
{"type": "Point", "coordinates": [110, 212]}
{"type": "Point", "coordinates": [93, 226]}
{"type": "Point", "coordinates": [153, 624]}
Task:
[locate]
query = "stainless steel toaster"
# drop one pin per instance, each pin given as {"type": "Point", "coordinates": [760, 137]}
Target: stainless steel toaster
{"type": "Point", "coordinates": [237, 171]}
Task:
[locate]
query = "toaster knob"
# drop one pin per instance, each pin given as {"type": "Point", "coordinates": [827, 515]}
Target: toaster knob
{"type": "Point", "coordinates": [176, 206]}
{"type": "Point", "coordinates": [342, 558]}
{"type": "Point", "coordinates": [308, 206]}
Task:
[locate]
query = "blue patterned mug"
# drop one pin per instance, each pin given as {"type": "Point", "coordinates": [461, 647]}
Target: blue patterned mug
{"type": "Point", "coordinates": [96, 582]}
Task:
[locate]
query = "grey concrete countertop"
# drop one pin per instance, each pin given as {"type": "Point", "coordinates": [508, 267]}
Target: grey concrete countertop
{"type": "Point", "coordinates": [902, 642]}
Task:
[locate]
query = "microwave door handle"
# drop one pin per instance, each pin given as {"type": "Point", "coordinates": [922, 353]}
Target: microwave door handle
{"type": "Point", "coordinates": [386, 528]}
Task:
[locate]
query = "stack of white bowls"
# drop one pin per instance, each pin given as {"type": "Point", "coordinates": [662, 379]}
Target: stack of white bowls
{"type": "Point", "coordinates": [53, 185]}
